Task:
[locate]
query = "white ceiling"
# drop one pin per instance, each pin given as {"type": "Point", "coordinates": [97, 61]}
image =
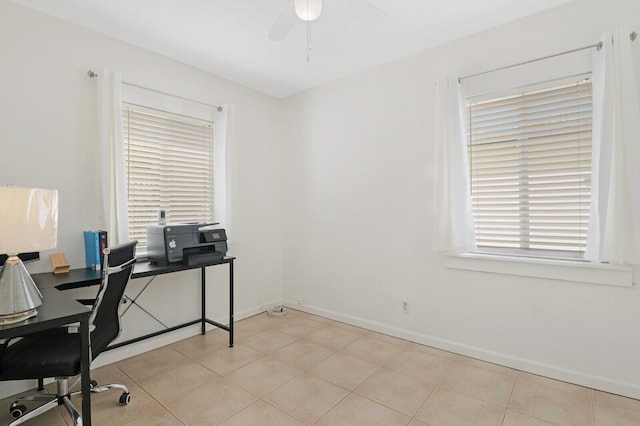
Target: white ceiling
{"type": "Point", "coordinates": [230, 37]}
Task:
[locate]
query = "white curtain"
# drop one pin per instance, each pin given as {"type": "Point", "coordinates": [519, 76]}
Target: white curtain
{"type": "Point", "coordinates": [113, 177]}
{"type": "Point", "coordinates": [614, 227]}
{"type": "Point", "coordinates": [225, 172]}
{"type": "Point", "coordinates": [453, 214]}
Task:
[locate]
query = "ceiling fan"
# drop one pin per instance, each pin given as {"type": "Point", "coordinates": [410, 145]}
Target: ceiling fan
{"type": "Point", "coordinates": [310, 10]}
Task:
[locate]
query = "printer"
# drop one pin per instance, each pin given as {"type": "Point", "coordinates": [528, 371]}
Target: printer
{"type": "Point", "coordinates": [188, 243]}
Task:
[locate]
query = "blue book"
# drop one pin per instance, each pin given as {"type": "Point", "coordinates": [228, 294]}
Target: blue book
{"type": "Point", "coordinates": [102, 235]}
{"type": "Point", "coordinates": [92, 249]}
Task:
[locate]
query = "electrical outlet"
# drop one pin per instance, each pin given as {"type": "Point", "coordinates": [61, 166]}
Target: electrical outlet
{"type": "Point", "coordinates": [405, 306]}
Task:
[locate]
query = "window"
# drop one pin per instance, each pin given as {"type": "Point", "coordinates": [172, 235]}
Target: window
{"type": "Point", "coordinates": [530, 170]}
{"type": "Point", "coordinates": [169, 163]}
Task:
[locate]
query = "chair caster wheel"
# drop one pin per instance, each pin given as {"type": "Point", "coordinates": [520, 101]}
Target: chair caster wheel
{"type": "Point", "coordinates": [17, 410]}
{"type": "Point", "coordinates": [125, 398]}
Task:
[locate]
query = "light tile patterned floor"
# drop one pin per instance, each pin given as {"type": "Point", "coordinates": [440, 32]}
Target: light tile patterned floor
{"type": "Point", "coordinates": [302, 369]}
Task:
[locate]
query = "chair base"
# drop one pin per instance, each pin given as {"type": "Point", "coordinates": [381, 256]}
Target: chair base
{"type": "Point", "coordinates": [62, 397]}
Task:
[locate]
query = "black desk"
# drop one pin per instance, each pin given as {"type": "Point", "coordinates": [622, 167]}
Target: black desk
{"type": "Point", "coordinates": [77, 278]}
{"type": "Point", "coordinates": [58, 310]}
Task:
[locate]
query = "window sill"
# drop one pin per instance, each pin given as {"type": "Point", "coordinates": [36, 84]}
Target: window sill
{"type": "Point", "coordinates": [564, 270]}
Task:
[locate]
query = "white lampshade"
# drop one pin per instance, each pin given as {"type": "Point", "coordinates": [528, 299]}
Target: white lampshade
{"type": "Point", "coordinates": [28, 219]}
{"type": "Point", "coordinates": [308, 10]}
{"type": "Point", "coordinates": [28, 222]}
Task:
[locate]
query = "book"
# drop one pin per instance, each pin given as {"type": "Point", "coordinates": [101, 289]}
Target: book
{"type": "Point", "coordinates": [102, 235]}
{"type": "Point", "coordinates": [92, 250]}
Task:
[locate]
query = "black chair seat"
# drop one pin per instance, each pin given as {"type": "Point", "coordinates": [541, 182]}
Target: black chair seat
{"type": "Point", "coordinates": [44, 354]}
{"type": "Point", "coordinates": [57, 353]}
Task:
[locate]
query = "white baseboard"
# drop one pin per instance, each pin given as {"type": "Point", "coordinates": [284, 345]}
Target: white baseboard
{"type": "Point", "coordinates": [605, 384]}
{"type": "Point", "coordinates": [580, 378]}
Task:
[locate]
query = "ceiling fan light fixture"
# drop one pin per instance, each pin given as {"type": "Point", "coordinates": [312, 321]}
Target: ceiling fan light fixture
{"type": "Point", "coordinates": [308, 10]}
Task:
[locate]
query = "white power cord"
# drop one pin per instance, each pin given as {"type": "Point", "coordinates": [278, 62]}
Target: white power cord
{"type": "Point", "coordinates": [277, 311]}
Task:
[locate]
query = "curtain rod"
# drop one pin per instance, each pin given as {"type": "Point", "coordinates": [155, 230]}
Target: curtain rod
{"type": "Point", "coordinates": [633, 35]}
{"type": "Point", "coordinates": [596, 45]}
{"type": "Point", "coordinates": [535, 83]}
{"type": "Point", "coordinates": [93, 74]}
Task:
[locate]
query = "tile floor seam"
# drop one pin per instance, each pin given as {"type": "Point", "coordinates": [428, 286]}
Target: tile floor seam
{"type": "Point", "coordinates": [417, 378]}
{"type": "Point", "coordinates": [422, 403]}
{"type": "Point", "coordinates": [513, 386]}
{"type": "Point", "coordinates": [442, 380]}
{"type": "Point", "coordinates": [487, 400]}
{"type": "Point", "coordinates": [434, 391]}
{"type": "Point", "coordinates": [272, 391]}
{"type": "Point", "coordinates": [477, 398]}
{"type": "Point", "coordinates": [149, 394]}
{"type": "Point", "coordinates": [368, 377]}
{"type": "Point", "coordinates": [257, 398]}
{"type": "Point", "coordinates": [362, 381]}
{"type": "Point", "coordinates": [534, 417]}
{"type": "Point", "coordinates": [593, 407]}
{"type": "Point", "coordinates": [392, 408]}
{"type": "Point", "coordinates": [504, 417]}
{"type": "Point", "coordinates": [300, 372]}
{"type": "Point", "coordinates": [319, 378]}
{"type": "Point", "coordinates": [329, 410]}
{"type": "Point", "coordinates": [368, 399]}
{"type": "Point", "coordinates": [275, 408]}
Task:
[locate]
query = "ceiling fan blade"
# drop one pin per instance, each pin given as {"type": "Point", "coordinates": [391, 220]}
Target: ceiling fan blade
{"type": "Point", "coordinates": [283, 25]}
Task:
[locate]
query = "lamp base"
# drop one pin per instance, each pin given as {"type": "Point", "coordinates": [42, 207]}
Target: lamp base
{"type": "Point", "coordinates": [14, 318]}
{"type": "Point", "coordinates": [19, 295]}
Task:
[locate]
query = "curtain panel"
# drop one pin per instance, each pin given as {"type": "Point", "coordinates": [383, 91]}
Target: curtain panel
{"type": "Point", "coordinates": [453, 227]}
{"type": "Point", "coordinates": [225, 172]}
{"type": "Point", "coordinates": [113, 177]}
{"type": "Point", "coordinates": [614, 228]}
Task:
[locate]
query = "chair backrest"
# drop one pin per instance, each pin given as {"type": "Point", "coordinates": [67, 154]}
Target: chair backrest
{"type": "Point", "coordinates": [104, 317]}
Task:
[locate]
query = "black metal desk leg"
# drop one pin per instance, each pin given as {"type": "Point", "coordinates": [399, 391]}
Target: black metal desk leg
{"type": "Point", "coordinates": [84, 371]}
{"type": "Point", "coordinates": [203, 300]}
{"type": "Point", "coordinates": [231, 303]}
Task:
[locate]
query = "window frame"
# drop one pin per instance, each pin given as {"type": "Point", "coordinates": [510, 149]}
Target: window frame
{"type": "Point", "coordinates": [174, 117]}
{"type": "Point", "coordinates": [520, 96]}
{"type": "Point", "coordinates": [572, 271]}
{"type": "Point", "coordinates": [569, 271]}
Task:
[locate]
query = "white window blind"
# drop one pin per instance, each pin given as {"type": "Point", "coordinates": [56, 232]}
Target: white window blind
{"type": "Point", "coordinates": [530, 169]}
{"type": "Point", "coordinates": [169, 160]}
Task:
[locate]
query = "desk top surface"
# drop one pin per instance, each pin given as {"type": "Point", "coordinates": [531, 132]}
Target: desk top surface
{"type": "Point", "coordinates": [86, 277]}
{"type": "Point", "coordinates": [146, 269]}
{"type": "Point", "coordinates": [57, 309]}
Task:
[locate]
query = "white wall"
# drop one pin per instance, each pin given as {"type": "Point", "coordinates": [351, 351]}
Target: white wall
{"type": "Point", "coordinates": [48, 138]}
{"type": "Point", "coordinates": [358, 210]}
{"type": "Point", "coordinates": [345, 200]}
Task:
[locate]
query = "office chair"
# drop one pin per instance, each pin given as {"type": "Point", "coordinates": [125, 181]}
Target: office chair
{"type": "Point", "coordinates": [57, 353]}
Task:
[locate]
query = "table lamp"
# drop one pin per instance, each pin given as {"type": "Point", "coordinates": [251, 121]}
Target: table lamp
{"type": "Point", "coordinates": [28, 222]}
